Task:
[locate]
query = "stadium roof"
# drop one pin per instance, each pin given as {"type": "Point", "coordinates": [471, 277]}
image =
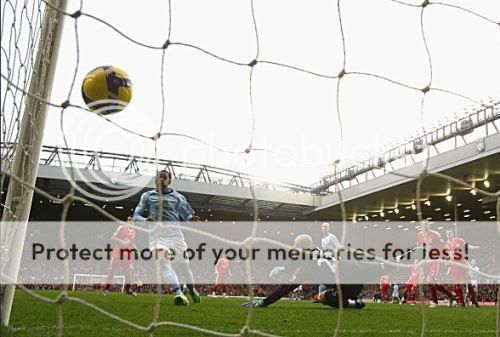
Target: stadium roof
{"type": "Point", "coordinates": [473, 163]}
{"type": "Point", "coordinates": [224, 199]}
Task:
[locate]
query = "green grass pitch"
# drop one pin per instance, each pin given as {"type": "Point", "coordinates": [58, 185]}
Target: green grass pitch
{"type": "Point", "coordinates": [31, 317]}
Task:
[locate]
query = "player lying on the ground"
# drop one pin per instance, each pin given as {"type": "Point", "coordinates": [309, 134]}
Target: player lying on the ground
{"type": "Point", "coordinates": [298, 274]}
{"type": "Point", "coordinates": [164, 240]}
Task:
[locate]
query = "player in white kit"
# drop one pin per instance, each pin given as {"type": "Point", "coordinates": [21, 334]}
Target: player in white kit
{"type": "Point", "coordinates": [395, 294]}
{"type": "Point", "coordinates": [329, 243]}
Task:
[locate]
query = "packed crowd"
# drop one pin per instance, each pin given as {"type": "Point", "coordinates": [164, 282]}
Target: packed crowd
{"type": "Point", "coordinates": [485, 292]}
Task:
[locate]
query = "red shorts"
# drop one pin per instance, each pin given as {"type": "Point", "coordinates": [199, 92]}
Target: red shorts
{"type": "Point", "coordinates": [459, 275]}
{"type": "Point", "coordinates": [120, 266]}
{"type": "Point", "coordinates": [122, 254]}
{"type": "Point", "coordinates": [431, 270]}
{"type": "Point", "coordinates": [221, 279]}
{"type": "Point", "coordinates": [409, 286]}
{"type": "Point", "coordinates": [117, 264]}
{"type": "Point", "coordinates": [384, 288]}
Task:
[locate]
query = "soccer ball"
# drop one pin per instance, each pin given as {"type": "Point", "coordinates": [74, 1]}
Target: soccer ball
{"type": "Point", "coordinates": [106, 90]}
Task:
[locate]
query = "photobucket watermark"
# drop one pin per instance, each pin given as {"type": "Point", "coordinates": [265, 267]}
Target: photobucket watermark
{"type": "Point", "coordinates": [280, 252]}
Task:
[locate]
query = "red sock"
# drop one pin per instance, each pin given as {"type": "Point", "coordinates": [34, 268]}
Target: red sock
{"type": "Point", "coordinates": [460, 293]}
{"type": "Point", "coordinates": [434, 295]}
{"type": "Point", "coordinates": [472, 294]}
{"type": "Point", "coordinates": [445, 290]}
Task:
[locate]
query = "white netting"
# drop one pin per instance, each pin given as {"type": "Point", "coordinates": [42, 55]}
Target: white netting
{"type": "Point", "coordinates": [18, 63]}
{"type": "Point", "coordinates": [20, 31]}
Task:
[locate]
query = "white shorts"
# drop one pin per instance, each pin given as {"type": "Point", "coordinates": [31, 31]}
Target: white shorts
{"type": "Point", "coordinates": [178, 248]}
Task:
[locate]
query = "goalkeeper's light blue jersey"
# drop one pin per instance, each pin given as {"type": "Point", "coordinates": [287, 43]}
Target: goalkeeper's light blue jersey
{"type": "Point", "coordinates": [175, 209]}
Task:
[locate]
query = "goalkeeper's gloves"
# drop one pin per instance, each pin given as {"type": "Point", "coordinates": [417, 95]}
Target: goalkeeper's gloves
{"type": "Point", "coordinates": [275, 272]}
{"type": "Point", "coordinates": [255, 304]}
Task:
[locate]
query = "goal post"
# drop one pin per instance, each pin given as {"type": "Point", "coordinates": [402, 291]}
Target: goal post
{"type": "Point", "coordinates": [25, 165]}
{"type": "Point", "coordinates": [93, 279]}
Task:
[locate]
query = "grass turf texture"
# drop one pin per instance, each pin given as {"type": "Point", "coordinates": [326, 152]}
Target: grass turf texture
{"type": "Point", "coordinates": [31, 317]}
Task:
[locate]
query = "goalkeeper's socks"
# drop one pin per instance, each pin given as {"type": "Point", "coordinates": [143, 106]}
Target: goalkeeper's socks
{"type": "Point", "coordinates": [171, 278]}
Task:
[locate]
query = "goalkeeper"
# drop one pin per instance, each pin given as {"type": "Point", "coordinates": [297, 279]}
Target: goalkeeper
{"type": "Point", "coordinates": [309, 271]}
{"type": "Point", "coordinates": [167, 242]}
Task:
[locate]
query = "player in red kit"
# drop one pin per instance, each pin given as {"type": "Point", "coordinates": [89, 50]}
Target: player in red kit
{"type": "Point", "coordinates": [429, 239]}
{"type": "Point", "coordinates": [123, 240]}
{"type": "Point", "coordinates": [223, 273]}
{"type": "Point", "coordinates": [385, 288]}
{"type": "Point", "coordinates": [460, 274]}
{"type": "Point", "coordinates": [412, 283]}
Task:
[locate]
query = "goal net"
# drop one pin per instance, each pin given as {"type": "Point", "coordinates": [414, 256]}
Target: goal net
{"type": "Point", "coordinates": [31, 35]}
